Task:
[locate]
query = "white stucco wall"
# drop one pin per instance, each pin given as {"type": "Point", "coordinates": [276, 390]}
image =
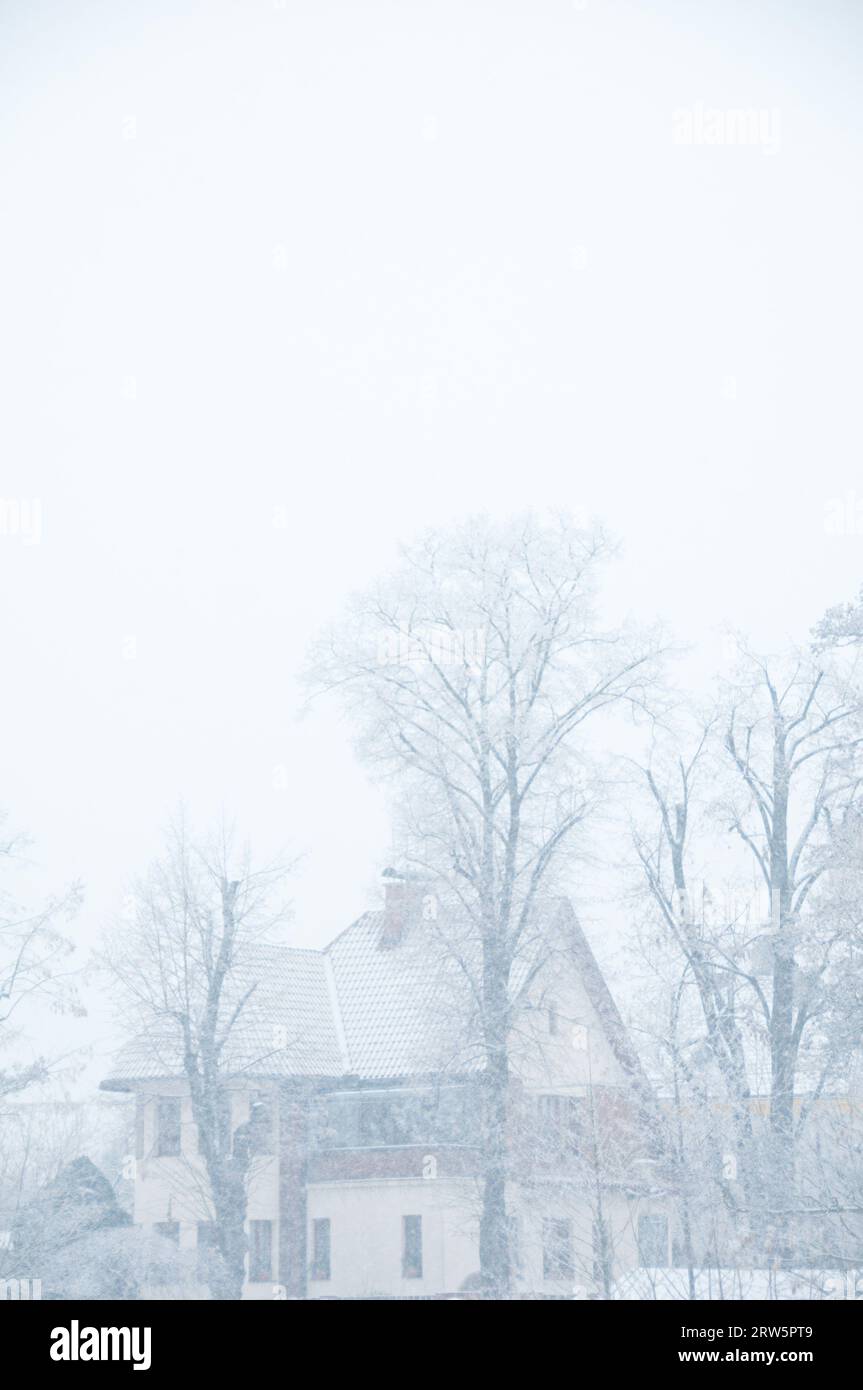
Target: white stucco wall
{"type": "Point", "coordinates": [366, 1235]}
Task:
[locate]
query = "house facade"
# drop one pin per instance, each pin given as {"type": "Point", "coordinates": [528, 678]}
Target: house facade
{"type": "Point", "coordinates": [365, 1080]}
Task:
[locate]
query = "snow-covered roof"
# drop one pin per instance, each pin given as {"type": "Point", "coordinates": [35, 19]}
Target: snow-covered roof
{"type": "Point", "coordinates": [285, 1028]}
{"type": "Point", "coordinates": [360, 1007]}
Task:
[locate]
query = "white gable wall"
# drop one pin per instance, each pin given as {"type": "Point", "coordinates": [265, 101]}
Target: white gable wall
{"type": "Point", "coordinates": [579, 1053]}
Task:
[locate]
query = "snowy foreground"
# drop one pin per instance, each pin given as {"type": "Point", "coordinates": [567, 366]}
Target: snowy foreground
{"type": "Point", "coordinates": [730, 1284]}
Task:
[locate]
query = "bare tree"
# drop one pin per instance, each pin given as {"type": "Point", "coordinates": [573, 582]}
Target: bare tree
{"type": "Point", "coordinates": [472, 673]}
{"type": "Point", "coordinates": [841, 626]}
{"type": "Point", "coordinates": [781, 760]}
{"type": "Point", "coordinates": [185, 968]}
{"type": "Point", "coordinates": [792, 734]}
{"type": "Point", "coordinates": [707, 949]}
{"type": "Point", "coordinates": [34, 955]}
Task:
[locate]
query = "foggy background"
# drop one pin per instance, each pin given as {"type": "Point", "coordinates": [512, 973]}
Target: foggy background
{"type": "Point", "coordinates": [284, 284]}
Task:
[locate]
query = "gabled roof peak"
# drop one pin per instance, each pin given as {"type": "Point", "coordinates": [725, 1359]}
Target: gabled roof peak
{"type": "Point", "coordinates": [354, 1008]}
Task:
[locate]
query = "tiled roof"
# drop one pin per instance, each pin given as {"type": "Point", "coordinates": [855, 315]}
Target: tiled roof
{"type": "Point", "coordinates": [399, 1018]}
{"type": "Point", "coordinates": [359, 1008]}
{"type": "Point", "coordinates": [286, 1028]}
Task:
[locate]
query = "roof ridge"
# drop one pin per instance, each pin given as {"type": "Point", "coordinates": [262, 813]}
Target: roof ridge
{"type": "Point", "coordinates": [283, 946]}
{"type": "Point", "coordinates": [370, 912]}
{"type": "Point", "coordinates": [603, 1001]}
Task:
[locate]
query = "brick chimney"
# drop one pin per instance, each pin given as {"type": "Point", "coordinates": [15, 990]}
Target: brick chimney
{"type": "Point", "coordinates": [403, 897]}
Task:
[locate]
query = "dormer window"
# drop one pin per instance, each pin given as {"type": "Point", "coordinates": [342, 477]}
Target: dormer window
{"type": "Point", "coordinates": [168, 1126]}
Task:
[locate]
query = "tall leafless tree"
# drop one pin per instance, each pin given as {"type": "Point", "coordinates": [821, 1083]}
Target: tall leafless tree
{"type": "Point", "coordinates": [472, 673]}
{"type": "Point", "coordinates": [183, 962]}
{"type": "Point", "coordinates": [780, 760]}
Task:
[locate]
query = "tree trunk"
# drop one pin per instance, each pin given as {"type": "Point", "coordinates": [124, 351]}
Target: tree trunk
{"type": "Point", "coordinates": [782, 1048]}
{"type": "Point", "coordinates": [494, 1227]}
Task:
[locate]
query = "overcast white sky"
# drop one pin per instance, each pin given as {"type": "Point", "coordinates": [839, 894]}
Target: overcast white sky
{"type": "Point", "coordinates": [285, 283]}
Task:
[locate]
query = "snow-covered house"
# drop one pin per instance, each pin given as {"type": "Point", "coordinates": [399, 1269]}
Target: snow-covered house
{"type": "Point", "coordinates": [362, 1059]}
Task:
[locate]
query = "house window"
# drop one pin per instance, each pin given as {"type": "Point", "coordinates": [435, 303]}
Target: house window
{"type": "Point", "coordinates": [385, 1121]}
{"type": "Point", "coordinates": [261, 1122]}
{"type": "Point", "coordinates": [260, 1252]}
{"type": "Point", "coordinates": [553, 1122]}
{"type": "Point", "coordinates": [321, 1248]}
{"type": "Point", "coordinates": [412, 1247]}
{"type": "Point", "coordinates": [653, 1241]}
{"type": "Point", "coordinates": [396, 1118]}
{"type": "Point", "coordinates": [577, 1126]}
{"type": "Point", "coordinates": [557, 1261]}
{"type": "Point", "coordinates": [169, 1230]}
{"type": "Point", "coordinates": [168, 1126]}
{"type": "Point", "coordinates": [140, 1117]}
